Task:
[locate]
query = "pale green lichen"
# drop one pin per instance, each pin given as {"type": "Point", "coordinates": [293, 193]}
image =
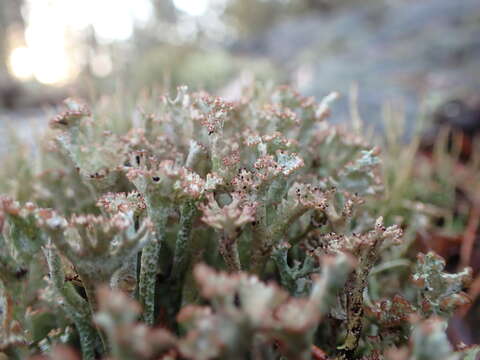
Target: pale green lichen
{"type": "Point", "coordinates": [264, 188]}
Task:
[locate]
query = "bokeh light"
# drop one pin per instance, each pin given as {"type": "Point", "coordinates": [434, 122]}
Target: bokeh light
{"type": "Point", "coordinates": [54, 28]}
{"type": "Point", "coordinates": [21, 63]}
{"type": "Point", "coordinates": [192, 7]}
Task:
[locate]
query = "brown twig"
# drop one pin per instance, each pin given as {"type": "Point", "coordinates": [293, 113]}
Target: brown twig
{"type": "Point", "coordinates": [318, 354]}
{"type": "Point", "coordinates": [470, 234]}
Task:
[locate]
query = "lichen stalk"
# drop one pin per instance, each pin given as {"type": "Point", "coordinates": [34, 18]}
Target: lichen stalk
{"type": "Point", "coordinates": [149, 268]}
{"type": "Point", "coordinates": [229, 250]}
{"type": "Point", "coordinates": [188, 213]}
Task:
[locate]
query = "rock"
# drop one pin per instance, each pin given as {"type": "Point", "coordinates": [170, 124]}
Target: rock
{"type": "Point", "coordinates": [408, 52]}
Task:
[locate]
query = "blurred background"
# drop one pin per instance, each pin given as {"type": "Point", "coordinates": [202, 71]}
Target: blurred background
{"type": "Point", "coordinates": [405, 60]}
{"type": "Point", "coordinates": [409, 53]}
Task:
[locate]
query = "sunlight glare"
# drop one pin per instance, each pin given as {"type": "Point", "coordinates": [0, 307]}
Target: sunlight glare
{"type": "Point", "coordinates": [192, 7]}
{"type": "Point", "coordinates": [53, 69]}
{"type": "Point", "coordinates": [101, 65]}
{"type": "Point", "coordinates": [20, 63]}
{"type": "Point", "coordinates": [55, 35]}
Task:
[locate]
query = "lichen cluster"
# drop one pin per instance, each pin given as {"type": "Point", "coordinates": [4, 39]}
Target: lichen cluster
{"type": "Point", "coordinates": [206, 229]}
